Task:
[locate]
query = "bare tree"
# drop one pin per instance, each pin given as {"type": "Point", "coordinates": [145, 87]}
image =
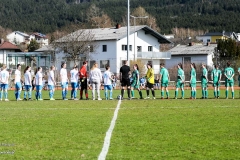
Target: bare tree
{"type": "Point", "coordinates": [4, 32]}
{"type": "Point", "coordinates": [141, 66]}
{"type": "Point", "coordinates": [76, 44]}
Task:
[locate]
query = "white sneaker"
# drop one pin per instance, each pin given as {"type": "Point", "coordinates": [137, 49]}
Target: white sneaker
{"type": "Point", "coordinates": [6, 100]}
{"type": "Point", "coordinates": [75, 99]}
{"type": "Point", "coordinates": [19, 99]}
{"type": "Point", "coordinates": [65, 99]}
{"type": "Point", "coordinates": [154, 98]}
{"type": "Point", "coordinates": [147, 98]}
{"type": "Point", "coordinates": [99, 99]}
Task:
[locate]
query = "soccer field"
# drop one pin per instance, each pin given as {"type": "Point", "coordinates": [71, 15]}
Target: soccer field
{"type": "Point", "coordinates": [144, 129]}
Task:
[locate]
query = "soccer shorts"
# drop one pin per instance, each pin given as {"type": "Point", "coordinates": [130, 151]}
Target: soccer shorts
{"type": "Point", "coordinates": [179, 84]}
{"type": "Point", "coordinates": [125, 82]}
{"type": "Point", "coordinates": [18, 86]}
{"type": "Point", "coordinates": [135, 85]}
{"type": "Point", "coordinates": [51, 87]}
{"type": "Point", "coordinates": [164, 84]}
{"type": "Point", "coordinates": [229, 84]}
{"type": "Point", "coordinates": [74, 85]}
{"type": "Point", "coordinates": [150, 85]}
{"type": "Point", "coordinates": [193, 85]}
{"type": "Point", "coordinates": [4, 86]}
{"type": "Point", "coordinates": [108, 87]}
{"type": "Point", "coordinates": [204, 85]}
{"type": "Point", "coordinates": [39, 87]}
{"type": "Point", "coordinates": [28, 87]}
{"type": "Point", "coordinates": [84, 84]}
{"type": "Point", "coordinates": [64, 85]}
{"type": "Point", "coordinates": [216, 84]}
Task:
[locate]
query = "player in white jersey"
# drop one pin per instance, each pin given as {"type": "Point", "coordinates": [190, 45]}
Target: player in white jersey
{"type": "Point", "coordinates": [27, 83]}
{"type": "Point", "coordinates": [51, 82]}
{"type": "Point", "coordinates": [17, 82]}
{"type": "Point", "coordinates": [74, 82]}
{"type": "Point", "coordinates": [64, 81]}
{"type": "Point", "coordinates": [4, 76]}
{"type": "Point", "coordinates": [107, 79]}
{"type": "Point", "coordinates": [38, 82]}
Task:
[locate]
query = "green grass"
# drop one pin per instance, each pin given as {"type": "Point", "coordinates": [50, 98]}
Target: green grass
{"type": "Point", "coordinates": [145, 129]}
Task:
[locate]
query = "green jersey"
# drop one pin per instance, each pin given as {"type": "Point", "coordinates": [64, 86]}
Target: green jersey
{"type": "Point", "coordinates": [204, 75]}
{"type": "Point", "coordinates": [193, 75]}
{"type": "Point", "coordinates": [216, 73]}
{"type": "Point", "coordinates": [135, 75]}
{"type": "Point", "coordinates": [165, 74]}
{"type": "Point", "coordinates": [180, 76]}
{"type": "Point", "coordinates": [229, 72]}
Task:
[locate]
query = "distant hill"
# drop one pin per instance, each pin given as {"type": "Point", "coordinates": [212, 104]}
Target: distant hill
{"type": "Point", "coordinates": [48, 15]}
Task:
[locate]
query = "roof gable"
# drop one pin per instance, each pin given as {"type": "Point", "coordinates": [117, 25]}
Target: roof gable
{"type": "Point", "coordinates": [9, 46]}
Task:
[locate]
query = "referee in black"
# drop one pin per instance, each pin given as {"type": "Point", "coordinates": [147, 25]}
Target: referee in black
{"type": "Point", "coordinates": [124, 79]}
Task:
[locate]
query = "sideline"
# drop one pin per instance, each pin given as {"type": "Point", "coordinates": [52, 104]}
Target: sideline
{"type": "Point", "coordinates": [106, 144]}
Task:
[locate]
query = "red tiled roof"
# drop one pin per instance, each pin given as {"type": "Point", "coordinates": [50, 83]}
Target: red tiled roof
{"type": "Point", "coordinates": [9, 46]}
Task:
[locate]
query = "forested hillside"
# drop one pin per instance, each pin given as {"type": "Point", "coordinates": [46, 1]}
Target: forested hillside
{"type": "Point", "coordinates": [48, 15]}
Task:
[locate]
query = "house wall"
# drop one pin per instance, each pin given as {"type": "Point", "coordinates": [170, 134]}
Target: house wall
{"type": "Point", "coordinates": [197, 59]}
{"type": "Point", "coordinates": [15, 37]}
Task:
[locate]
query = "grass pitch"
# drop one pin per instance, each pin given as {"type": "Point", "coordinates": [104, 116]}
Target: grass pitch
{"type": "Point", "coordinates": [145, 129]}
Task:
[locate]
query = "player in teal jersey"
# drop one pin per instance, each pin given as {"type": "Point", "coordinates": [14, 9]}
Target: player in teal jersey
{"type": "Point", "coordinates": [193, 80]}
{"type": "Point", "coordinates": [204, 81]}
{"type": "Point", "coordinates": [216, 76]}
{"type": "Point", "coordinates": [164, 79]}
{"type": "Point", "coordinates": [135, 81]}
{"type": "Point", "coordinates": [180, 81]}
{"type": "Point", "coordinates": [229, 81]}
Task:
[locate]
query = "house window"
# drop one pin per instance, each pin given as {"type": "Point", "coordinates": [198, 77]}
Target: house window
{"type": "Point", "coordinates": [208, 40]}
{"type": "Point", "coordinates": [139, 48]}
{"type": "Point", "coordinates": [103, 63]}
{"type": "Point", "coordinates": [104, 48]}
{"type": "Point", "coordinates": [91, 63]}
{"type": "Point", "coordinates": [91, 48]}
{"type": "Point", "coordinates": [124, 47]}
{"type": "Point", "coordinates": [187, 60]}
{"type": "Point", "coordinates": [150, 48]}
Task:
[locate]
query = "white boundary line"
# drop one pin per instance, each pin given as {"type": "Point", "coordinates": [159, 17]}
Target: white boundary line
{"type": "Point", "coordinates": [106, 144]}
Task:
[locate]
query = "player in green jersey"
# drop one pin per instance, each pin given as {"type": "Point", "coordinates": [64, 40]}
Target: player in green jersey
{"type": "Point", "coordinates": [193, 80]}
{"type": "Point", "coordinates": [150, 81]}
{"type": "Point", "coordinates": [216, 76]}
{"type": "Point", "coordinates": [135, 81]}
{"type": "Point", "coordinates": [164, 79]}
{"type": "Point", "coordinates": [204, 81]}
{"type": "Point", "coordinates": [229, 81]}
{"type": "Point", "coordinates": [180, 81]}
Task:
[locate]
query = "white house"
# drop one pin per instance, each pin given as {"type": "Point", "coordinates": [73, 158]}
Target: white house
{"type": "Point", "coordinates": [186, 54]}
{"type": "Point", "coordinates": [40, 38]}
{"type": "Point", "coordinates": [144, 43]}
{"type": "Point", "coordinates": [18, 37]}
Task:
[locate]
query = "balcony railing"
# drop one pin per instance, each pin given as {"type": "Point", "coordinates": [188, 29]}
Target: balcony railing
{"type": "Point", "coordinates": [154, 55]}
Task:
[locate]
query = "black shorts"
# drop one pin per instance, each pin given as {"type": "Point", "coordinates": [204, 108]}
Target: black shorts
{"type": "Point", "coordinates": [125, 82]}
{"type": "Point", "coordinates": [150, 85]}
{"type": "Point", "coordinates": [84, 84]}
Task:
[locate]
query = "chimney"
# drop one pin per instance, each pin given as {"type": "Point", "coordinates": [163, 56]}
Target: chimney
{"type": "Point", "coordinates": [118, 26]}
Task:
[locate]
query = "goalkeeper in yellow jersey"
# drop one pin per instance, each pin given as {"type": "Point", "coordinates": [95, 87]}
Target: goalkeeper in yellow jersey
{"type": "Point", "coordinates": [150, 81]}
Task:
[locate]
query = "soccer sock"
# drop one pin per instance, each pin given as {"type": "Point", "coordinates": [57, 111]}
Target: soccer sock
{"type": "Point", "coordinates": [128, 92]}
{"type": "Point", "coordinates": [153, 93]}
{"type": "Point", "coordinates": [0, 94]}
{"type": "Point", "coordinates": [182, 93]}
{"type": "Point", "coordinates": [140, 93]}
{"type": "Point", "coordinates": [81, 93]}
{"type": "Point", "coordinates": [203, 93]}
{"type": "Point", "coordinates": [106, 94]}
{"type": "Point", "coordinates": [36, 94]}
{"type": "Point", "coordinates": [162, 92]}
{"type": "Point", "coordinates": [192, 93]}
{"type": "Point", "coordinates": [195, 94]}
{"type": "Point", "coordinates": [63, 94]}
{"type": "Point", "coordinates": [122, 92]}
{"type": "Point", "coordinates": [232, 94]}
{"type": "Point", "coordinates": [176, 94]}
{"type": "Point", "coordinates": [86, 93]}
{"type": "Point", "coordinates": [215, 95]}
{"type": "Point", "coordinates": [40, 94]}
{"type": "Point", "coordinates": [226, 93]}
{"type": "Point", "coordinates": [111, 92]}
{"type": "Point", "coordinates": [6, 94]}
{"type": "Point", "coordinates": [147, 92]}
{"type": "Point", "coordinates": [206, 93]}
{"type": "Point", "coordinates": [72, 93]}
{"type": "Point", "coordinates": [75, 93]}
{"type": "Point", "coordinates": [218, 93]}
{"type": "Point", "coordinates": [50, 94]}
{"type": "Point", "coordinates": [18, 94]}
{"type": "Point", "coordinates": [167, 93]}
{"type": "Point", "coordinates": [25, 94]}
{"type": "Point", "coordinates": [132, 93]}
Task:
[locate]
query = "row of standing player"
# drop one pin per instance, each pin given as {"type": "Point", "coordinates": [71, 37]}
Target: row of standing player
{"type": "Point", "coordinates": [164, 79]}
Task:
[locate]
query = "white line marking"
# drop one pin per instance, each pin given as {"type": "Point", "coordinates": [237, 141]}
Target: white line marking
{"type": "Point", "coordinates": [106, 144]}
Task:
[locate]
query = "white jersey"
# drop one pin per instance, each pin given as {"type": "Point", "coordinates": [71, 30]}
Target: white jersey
{"type": "Point", "coordinates": [106, 78]}
{"type": "Point", "coordinates": [63, 74]}
{"type": "Point", "coordinates": [51, 78]}
{"type": "Point", "coordinates": [17, 76]}
{"type": "Point", "coordinates": [27, 78]}
{"type": "Point", "coordinates": [4, 76]}
{"type": "Point", "coordinates": [38, 78]}
{"type": "Point", "coordinates": [74, 75]}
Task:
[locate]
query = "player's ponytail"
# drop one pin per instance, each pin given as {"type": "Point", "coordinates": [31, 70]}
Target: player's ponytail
{"type": "Point", "coordinates": [194, 65]}
{"type": "Point", "coordinates": [25, 70]}
{"type": "Point", "coordinates": [136, 66]}
{"type": "Point", "coordinates": [37, 70]}
{"type": "Point", "coordinates": [180, 65]}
